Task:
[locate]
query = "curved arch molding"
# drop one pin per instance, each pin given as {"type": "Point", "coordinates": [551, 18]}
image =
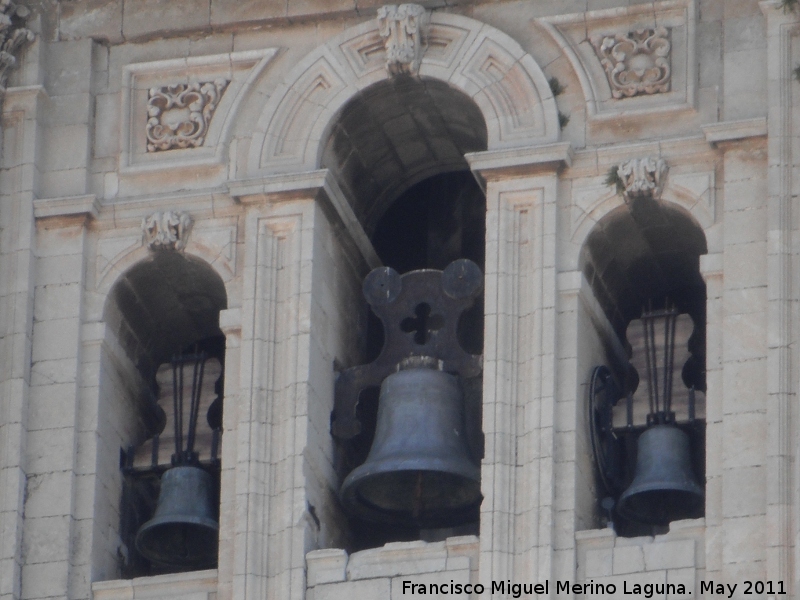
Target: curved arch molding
{"type": "Point", "coordinates": [503, 80]}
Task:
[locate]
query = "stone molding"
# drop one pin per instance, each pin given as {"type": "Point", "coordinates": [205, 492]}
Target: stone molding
{"type": "Point", "coordinates": [498, 164]}
{"type": "Point", "coordinates": [80, 207]}
{"type": "Point", "coordinates": [13, 36]}
{"type": "Point", "coordinates": [637, 62]}
{"type": "Point", "coordinates": [189, 130]}
{"type": "Point", "coordinates": [403, 29]}
{"type": "Point", "coordinates": [312, 183]}
{"type": "Point", "coordinates": [730, 131]}
{"type": "Point", "coordinates": [620, 46]}
{"type": "Point", "coordinates": [505, 82]}
{"type": "Point", "coordinates": [167, 230]}
{"type": "Point", "coordinates": [643, 178]}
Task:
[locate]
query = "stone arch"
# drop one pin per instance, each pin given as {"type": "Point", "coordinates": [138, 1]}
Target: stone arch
{"type": "Point", "coordinates": [697, 209]}
{"type": "Point", "coordinates": [506, 84]}
{"type": "Point", "coordinates": [164, 301]}
{"type": "Point", "coordinates": [645, 251]}
{"type": "Point", "coordinates": [127, 259]}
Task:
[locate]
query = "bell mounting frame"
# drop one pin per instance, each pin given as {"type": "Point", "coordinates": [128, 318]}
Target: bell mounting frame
{"type": "Point", "coordinates": [419, 311]}
{"type": "Point", "coordinates": [604, 393]}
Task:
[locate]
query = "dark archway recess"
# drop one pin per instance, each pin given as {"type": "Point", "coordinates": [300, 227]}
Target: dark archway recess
{"type": "Point", "coordinates": [397, 149]}
{"type": "Point", "coordinates": [397, 133]}
{"type": "Point", "coordinates": [646, 256]}
{"type": "Point", "coordinates": [163, 306]}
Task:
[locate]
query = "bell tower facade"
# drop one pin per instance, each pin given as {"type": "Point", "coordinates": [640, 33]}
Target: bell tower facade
{"type": "Point", "coordinates": [328, 300]}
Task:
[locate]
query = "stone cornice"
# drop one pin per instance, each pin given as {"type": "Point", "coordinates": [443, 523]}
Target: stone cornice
{"type": "Point", "coordinates": [68, 209]}
{"type": "Point", "coordinates": [500, 164]}
{"type": "Point", "coordinates": [729, 131]}
{"type": "Point", "coordinates": [307, 184]}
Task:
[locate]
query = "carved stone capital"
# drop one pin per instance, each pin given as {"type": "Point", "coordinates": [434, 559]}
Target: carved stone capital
{"type": "Point", "coordinates": [637, 62]}
{"type": "Point", "coordinates": [642, 177]}
{"type": "Point", "coordinates": [168, 230]}
{"type": "Point", "coordinates": [403, 29]}
{"type": "Point", "coordinates": [13, 35]}
{"type": "Point", "coordinates": [178, 115]}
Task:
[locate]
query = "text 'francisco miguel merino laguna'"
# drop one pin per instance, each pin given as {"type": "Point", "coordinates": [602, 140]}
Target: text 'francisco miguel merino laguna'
{"type": "Point", "coordinates": [516, 590]}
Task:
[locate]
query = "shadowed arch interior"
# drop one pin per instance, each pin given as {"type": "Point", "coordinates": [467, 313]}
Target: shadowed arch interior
{"type": "Point", "coordinates": [162, 305]}
{"type": "Point", "coordinates": [397, 133]}
{"type": "Point", "coordinates": [645, 255]}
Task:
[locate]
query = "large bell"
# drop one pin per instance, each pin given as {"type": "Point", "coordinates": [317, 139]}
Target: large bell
{"type": "Point", "coordinates": [664, 487]}
{"type": "Point", "coordinates": [183, 530]}
{"type": "Point", "coordinates": [419, 471]}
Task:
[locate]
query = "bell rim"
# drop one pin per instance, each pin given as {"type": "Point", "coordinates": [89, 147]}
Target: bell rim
{"type": "Point", "coordinates": [697, 496]}
{"type": "Point", "coordinates": [444, 517]}
{"type": "Point", "coordinates": [208, 525]}
{"type": "Point", "coordinates": [149, 526]}
{"type": "Point", "coordinates": [688, 487]}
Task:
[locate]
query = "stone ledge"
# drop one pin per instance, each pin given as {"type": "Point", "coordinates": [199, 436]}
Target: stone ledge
{"type": "Point", "coordinates": [86, 207]}
{"type": "Point", "coordinates": [197, 585]}
{"type": "Point", "coordinates": [496, 164]}
{"type": "Point", "coordinates": [728, 131]}
{"type": "Point", "coordinates": [394, 559]}
{"type": "Point", "coordinates": [675, 557]}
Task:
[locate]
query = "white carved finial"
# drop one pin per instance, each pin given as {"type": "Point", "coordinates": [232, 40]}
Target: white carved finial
{"type": "Point", "coordinates": [402, 28]}
{"type": "Point", "coordinates": [642, 177]}
{"type": "Point", "coordinates": [13, 35]}
{"type": "Point", "coordinates": [167, 230]}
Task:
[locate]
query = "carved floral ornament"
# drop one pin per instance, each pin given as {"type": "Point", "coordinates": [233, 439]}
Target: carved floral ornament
{"type": "Point", "coordinates": [179, 115]}
{"type": "Point", "coordinates": [168, 230]}
{"type": "Point", "coordinates": [403, 28]}
{"type": "Point", "coordinates": [637, 62]}
{"type": "Point", "coordinates": [642, 178]}
{"type": "Point", "coordinates": [13, 35]}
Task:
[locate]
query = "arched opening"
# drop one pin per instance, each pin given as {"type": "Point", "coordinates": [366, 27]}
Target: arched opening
{"type": "Point", "coordinates": [397, 133]}
{"type": "Point", "coordinates": [398, 150]}
{"type": "Point", "coordinates": [158, 313]}
{"type": "Point", "coordinates": [643, 259]}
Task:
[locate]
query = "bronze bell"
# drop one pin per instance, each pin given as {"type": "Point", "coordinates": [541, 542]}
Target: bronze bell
{"type": "Point", "coordinates": [419, 471]}
{"type": "Point", "coordinates": [183, 530]}
{"type": "Point", "coordinates": [664, 487]}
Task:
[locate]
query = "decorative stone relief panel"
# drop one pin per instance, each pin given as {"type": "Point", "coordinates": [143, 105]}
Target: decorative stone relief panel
{"type": "Point", "coordinates": [403, 31]}
{"type": "Point", "coordinates": [167, 230]}
{"type": "Point", "coordinates": [631, 60]}
{"type": "Point", "coordinates": [636, 62]}
{"type": "Point", "coordinates": [179, 115]}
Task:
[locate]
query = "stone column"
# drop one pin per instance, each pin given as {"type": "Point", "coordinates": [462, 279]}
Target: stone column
{"type": "Point", "coordinates": [783, 500]}
{"type": "Point", "coordinates": [17, 269]}
{"type": "Point", "coordinates": [306, 255]}
{"type": "Point", "coordinates": [59, 497]}
{"type": "Point", "coordinates": [518, 517]}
